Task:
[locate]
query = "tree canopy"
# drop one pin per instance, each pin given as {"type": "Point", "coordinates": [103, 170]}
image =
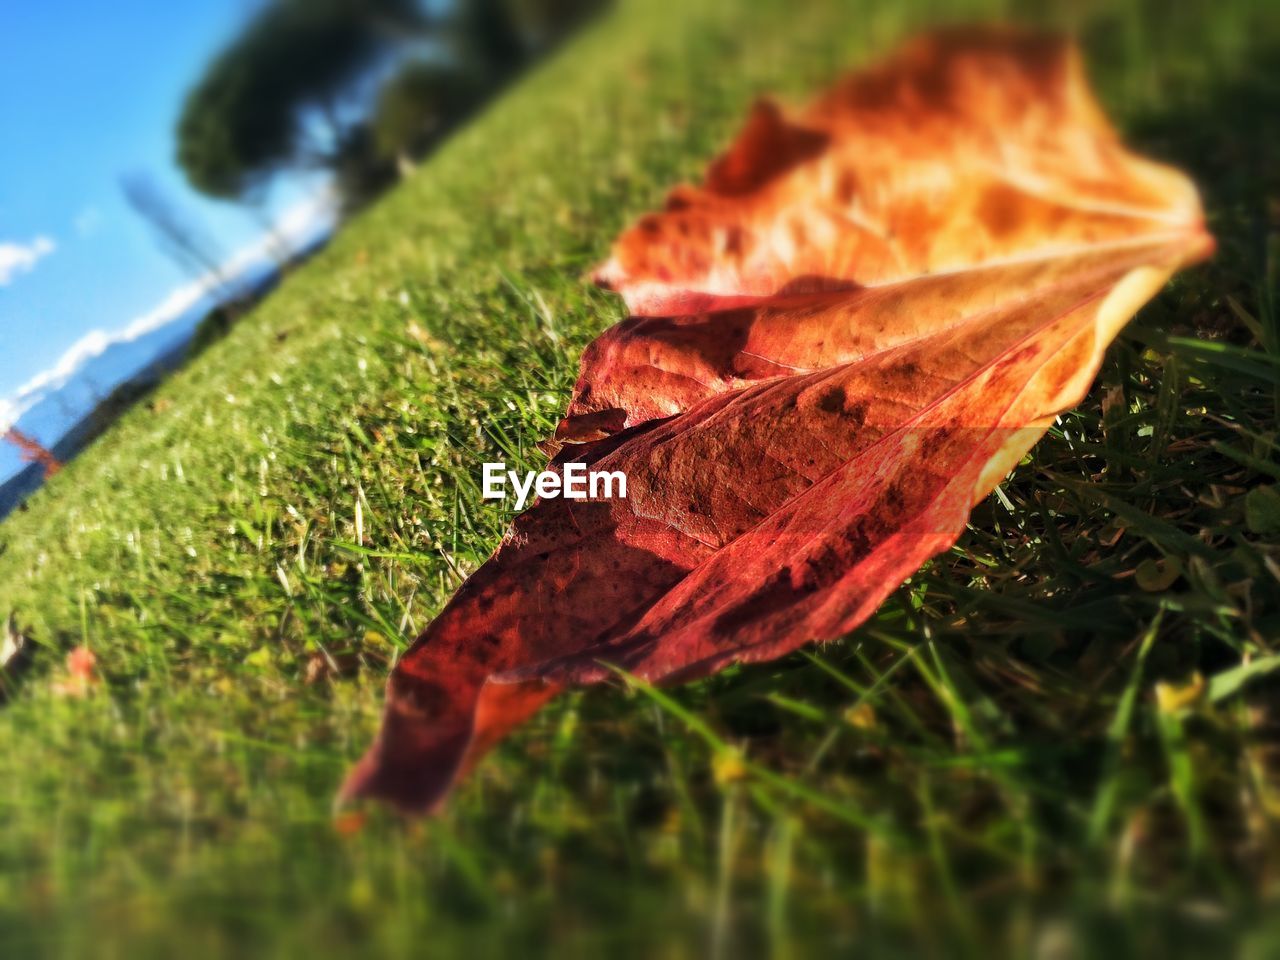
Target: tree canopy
{"type": "Point", "coordinates": [244, 118]}
{"type": "Point", "coordinates": [421, 103]}
{"type": "Point", "coordinates": [280, 94]}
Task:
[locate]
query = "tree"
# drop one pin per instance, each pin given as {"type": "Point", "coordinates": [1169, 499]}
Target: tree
{"type": "Point", "coordinates": [295, 89]}
{"type": "Point", "coordinates": [503, 36]}
{"type": "Point", "coordinates": [487, 43]}
{"type": "Point", "coordinates": [273, 97]}
{"type": "Point", "coordinates": [419, 106]}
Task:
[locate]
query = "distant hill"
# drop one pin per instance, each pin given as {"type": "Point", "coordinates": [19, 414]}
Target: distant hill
{"type": "Point", "coordinates": [126, 371]}
{"type": "Point", "coordinates": [81, 407]}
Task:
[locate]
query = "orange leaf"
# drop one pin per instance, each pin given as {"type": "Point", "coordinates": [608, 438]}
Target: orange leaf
{"type": "Point", "coordinates": [348, 823]}
{"type": "Point", "coordinates": [845, 338]}
{"type": "Point", "coordinates": [81, 673]}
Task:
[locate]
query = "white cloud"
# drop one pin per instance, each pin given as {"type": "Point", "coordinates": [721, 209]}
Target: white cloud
{"type": "Point", "coordinates": [15, 258]}
{"type": "Point", "coordinates": [299, 224]}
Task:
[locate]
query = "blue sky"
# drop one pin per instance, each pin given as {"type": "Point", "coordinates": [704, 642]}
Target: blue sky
{"type": "Point", "coordinates": [91, 90]}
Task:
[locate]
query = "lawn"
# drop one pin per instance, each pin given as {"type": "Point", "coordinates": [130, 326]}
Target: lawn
{"type": "Point", "coordinates": [1060, 739]}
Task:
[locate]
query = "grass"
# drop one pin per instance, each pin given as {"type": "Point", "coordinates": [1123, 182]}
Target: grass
{"type": "Point", "coordinates": [1060, 739]}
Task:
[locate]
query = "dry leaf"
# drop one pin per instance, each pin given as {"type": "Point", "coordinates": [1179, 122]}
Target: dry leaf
{"type": "Point", "coordinates": [80, 676]}
{"type": "Point", "coordinates": [876, 308]}
{"type": "Point", "coordinates": [973, 172]}
{"type": "Point", "coordinates": [969, 147]}
{"type": "Point", "coordinates": [348, 823]}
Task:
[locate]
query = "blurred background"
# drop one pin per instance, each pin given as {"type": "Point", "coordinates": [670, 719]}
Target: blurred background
{"type": "Point", "coordinates": [169, 163]}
